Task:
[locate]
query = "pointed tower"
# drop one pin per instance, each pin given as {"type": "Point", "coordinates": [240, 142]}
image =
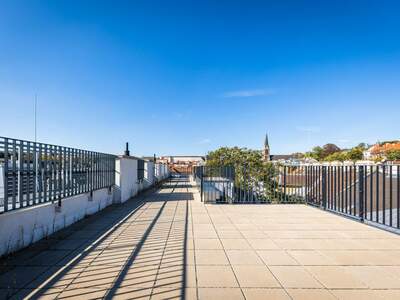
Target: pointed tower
{"type": "Point", "coordinates": [266, 152]}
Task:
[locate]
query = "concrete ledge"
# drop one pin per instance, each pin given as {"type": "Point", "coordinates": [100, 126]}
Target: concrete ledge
{"type": "Point", "coordinates": [25, 226]}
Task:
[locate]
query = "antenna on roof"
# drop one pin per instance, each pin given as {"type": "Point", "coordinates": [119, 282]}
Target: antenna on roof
{"type": "Point", "coordinates": [35, 117]}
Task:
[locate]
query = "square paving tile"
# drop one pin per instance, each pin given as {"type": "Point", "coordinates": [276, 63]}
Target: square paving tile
{"type": "Point", "coordinates": [263, 244]}
{"type": "Point", "coordinates": [211, 257]}
{"type": "Point", "coordinates": [220, 293]}
{"type": "Point", "coordinates": [255, 276]}
{"type": "Point", "coordinates": [216, 276]}
{"type": "Point", "coordinates": [19, 277]}
{"type": "Point", "coordinates": [83, 293]}
{"type": "Point", "coordinates": [336, 277]}
{"type": "Point", "coordinates": [376, 277]}
{"type": "Point", "coordinates": [132, 293]}
{"type": "Point", "coordinates": [243, 257]}
{"type": "Point", "coordinates": [276, 258]}
{"type": "Point", "coordinates": [294, 277]}
{"type": "Point", "coordinates": [235, 244]}
{"type": "Point", "coordinates": [310, 294]}
{"type": "Point", "coordinates": [311, 258]}
{"type": "Point", "coordinates": [261, 294]}
{"type": "Point", "coordinates": [207, 244]}
{"type": "Point", "coordinates": [354, 294]}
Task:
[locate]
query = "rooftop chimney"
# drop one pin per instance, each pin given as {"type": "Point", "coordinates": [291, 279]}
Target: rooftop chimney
{"type": "Point", "coordinates": [126, 153]}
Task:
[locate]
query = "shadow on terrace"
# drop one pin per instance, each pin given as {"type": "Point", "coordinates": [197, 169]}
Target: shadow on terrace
{"type": "Point", "coordinates": [135, 250]}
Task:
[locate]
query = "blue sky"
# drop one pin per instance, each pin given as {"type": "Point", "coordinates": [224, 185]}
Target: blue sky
{"type": "Point", "coordinates": [185, 77]}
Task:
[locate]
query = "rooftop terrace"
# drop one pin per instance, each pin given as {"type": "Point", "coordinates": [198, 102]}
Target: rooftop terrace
{"type": "Point", "coordinates": [166, 244]}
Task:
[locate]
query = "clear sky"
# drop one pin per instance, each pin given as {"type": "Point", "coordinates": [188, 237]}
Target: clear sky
{"type": "Point", "coordinates": [187, 77]}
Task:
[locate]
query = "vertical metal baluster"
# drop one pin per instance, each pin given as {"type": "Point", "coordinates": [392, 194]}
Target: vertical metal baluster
{"type": "Point", "coordinates": [52, 174]}
{"type": "Point", "coordinates": [60, 161]}
{"type": "Point", "coordinates": [85, 170]}
{"type": "Point", "coordinates": [384, 194]}
{"type": "Point", "coordinates": [6, 174]}
{"type": "Point", "coordinates": [390, 196]}
{"type": "Point", "coordinates": [75, 174]}
{"type": "Point", "coordinates": [320, 195]}
{"type": "Point", "coordinates": [284, 182]}
{"type": "Point", "coordinates": [35, 174]}
{"type": "Point", "coordinates": [69, 176]}
{"type": "Point", "coordinates": [64, 151]}
{"type": "Point", "coordinates": [350, 189]}
{"type": "Point", "coordinates": [361, 192]}
{"type": "Point", "coordinates": [328, 186]}
{"type": "Point", "coordinates": [27, 169]}
{"type": "Point", "coordinates": [40, 174]}
{"type": "Point", "coordinates": [355, 191]}
{"type": "Point", "coordinates": [342, 188]}
{"type": "Point", "coordinates": [398, 196]}
{"type": "Point", "coordinates": [365, 214]}
{"type": "Point", "coordinates": [346, 189]}
{"type": "Point", "coordinates": [312, 184]}
{"type": "Point", "coordinates": [377, 193]}
{"type": "Point", "coordinates": [21, 174]}
{"type": "Point", "coordinates": [45, 173]}
{"type": "Point", "coordinates": [15, 175]}
{"type": "Point", "coordinates": [371, 196]}
{"type": "Point", "coordinates": [335, 186]}
{"type": "Point", "coordinates": [306, 184]}
{"type": "Point", "coordinates": [90, 171]}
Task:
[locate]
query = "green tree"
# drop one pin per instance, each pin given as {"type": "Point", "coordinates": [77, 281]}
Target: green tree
{"type": "Point", "coordinates": [316, 153]}
{"type": "Point", "coordinates": [355, 154]}
{"type": "Point", "coordinates": [329, 149]}
{"type": "Point", "coordinates": [320, 153]}
{"type": "Point", "coordinates": [393, 155]}
{"type": "Point", "coordinates": [337, 156]}
{"type": "Point", "coordinates": [250, 169]}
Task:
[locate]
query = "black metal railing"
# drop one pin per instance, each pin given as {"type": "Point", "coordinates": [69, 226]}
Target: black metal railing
{"type": "Point", "coordinates": [140, 169]}
{"type": "Point", "coordinates": [365, 192]}
{"type": "Point", "coordinates": [228, 184]}
{"type": "Point", "coordinates": [34, 173]}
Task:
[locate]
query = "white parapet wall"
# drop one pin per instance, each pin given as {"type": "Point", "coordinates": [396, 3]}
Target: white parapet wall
{"type": "Point", "coordinates": [25, 226]}
{"type": "Point", "coordinates": [161, 172]}
{"type": "Point", "coordinates": [148, 174]}
{"type": "Point", "coordinates": [126, 178]}
{"type": "Point", "coordinates": [22, 227]}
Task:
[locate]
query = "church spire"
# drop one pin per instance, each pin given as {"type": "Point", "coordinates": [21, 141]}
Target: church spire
{"type": "Point", "coordinates": [266, 152]}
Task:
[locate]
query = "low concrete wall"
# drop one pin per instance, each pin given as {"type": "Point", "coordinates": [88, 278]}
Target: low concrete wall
{"type": "Point", "coordinates": [23, 227]}
{"type": "Point", "coordinates": [126, 178]}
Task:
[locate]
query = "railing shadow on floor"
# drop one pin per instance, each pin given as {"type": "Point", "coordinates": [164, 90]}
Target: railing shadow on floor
{"type": "Point", "coordinates": [127, 267]}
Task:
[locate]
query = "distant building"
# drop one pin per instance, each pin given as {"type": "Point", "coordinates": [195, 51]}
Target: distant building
{"type": "Point", "coordinates": [182, 163]}
{"type": "Point", "coordinates": [183, 159]}
{"type": "Point", "coordinates": [379, 150]}
{"type": "Point", "coordinates": [267, 156]}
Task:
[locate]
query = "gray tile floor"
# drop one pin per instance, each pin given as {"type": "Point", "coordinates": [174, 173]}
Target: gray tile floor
{"type": "Point", "coordinates": [168, 245]}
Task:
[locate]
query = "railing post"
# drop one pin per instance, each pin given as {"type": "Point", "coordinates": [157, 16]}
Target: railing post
{"type": "Point", "coordinates": [361, 192]}
{"type": "Point", "coordinates": [284, 183]}
{"type": "Point", "coordinates": [201, 184]}
{"type": "Point", "coordinates": [324, 202]}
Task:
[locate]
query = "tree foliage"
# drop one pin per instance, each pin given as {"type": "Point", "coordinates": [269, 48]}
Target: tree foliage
{"type": "Point", "coordinates": [320, 153]}
{"type": "Point", "coordinates": [393, 155]}
{"type": "Point", "coordinates": [250, 169]}
{"type": "Point", "coordinates": [355, 154]}
{"type": "Point", "coordinates": [331, 152]}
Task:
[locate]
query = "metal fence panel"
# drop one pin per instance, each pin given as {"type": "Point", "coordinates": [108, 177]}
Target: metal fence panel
{"type": "Point", "coordinates": [34, 173]}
